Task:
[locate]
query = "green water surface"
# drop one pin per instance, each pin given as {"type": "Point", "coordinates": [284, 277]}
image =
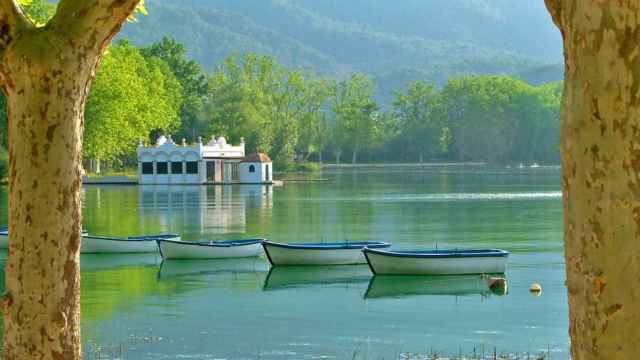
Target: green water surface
{"type": "Point", "coordinates": [134, 307]}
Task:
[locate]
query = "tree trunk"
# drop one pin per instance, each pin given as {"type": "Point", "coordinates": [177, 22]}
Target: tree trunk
{"type": "Point", "coordinates": [97, 169]}
{"type": "Point", "coordinates": [320, 156]}
{"type": "Point", "coordinates": [354, 156]}
{"type": "Point", "coordinates": [46, 73]}
{"type": "Point", "coordinates": [338, 155]}
{"type": "Point", "coordinates": [42, 316]}
{"type": "Point", "coordinates": [600, 149]}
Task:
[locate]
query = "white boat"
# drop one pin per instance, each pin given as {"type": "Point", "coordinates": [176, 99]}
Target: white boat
{"type": "Point", "coordinates": [345, 253]}
{"type": "Point", "coordinates": [133, 244]}
{"type": "Point", "coordinates": [171, 249]}
{"type": "Point", "coordinates": [436, 262]}
{"type": "Point", "coordinates": [4, 237]}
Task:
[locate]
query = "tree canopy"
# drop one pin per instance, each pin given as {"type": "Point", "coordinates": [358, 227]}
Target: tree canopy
{"type": "Point", "coordinates": [131, 96]}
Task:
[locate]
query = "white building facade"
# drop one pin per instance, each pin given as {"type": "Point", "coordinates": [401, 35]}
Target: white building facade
{"type": "Point", "coordinates": [256, 169]}
{"type": "Point", "coordinates": [216, 162]}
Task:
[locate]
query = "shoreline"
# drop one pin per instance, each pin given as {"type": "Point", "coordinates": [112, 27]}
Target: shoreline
{"type": "Point", "coordinates": [399, 165]}
{"type": "Point", "coordinates": [532, 165]}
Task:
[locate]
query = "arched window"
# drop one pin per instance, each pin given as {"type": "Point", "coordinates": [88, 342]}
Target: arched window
{"type": "Point", "coordinates": [252, 168]}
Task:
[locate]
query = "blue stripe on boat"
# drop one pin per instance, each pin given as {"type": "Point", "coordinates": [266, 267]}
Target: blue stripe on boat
{"type": "Point", "coordinates": [220, 243]}
{"type": "Point", "coordinates": [4, 230]}
{"type": "Point", "coordinates": [437, 254]}
{"type": "Point", "coordinates": [131, 238]}
{"type": "Point", "coordinates": [331, 246]}
{"type": "Point", "coordinates": [152, 237]}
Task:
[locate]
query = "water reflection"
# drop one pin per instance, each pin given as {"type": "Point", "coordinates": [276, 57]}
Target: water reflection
{"type": "Point", "coordinates": [116, 284]}
{"type": "Point", "coordinates": [394, 286]}
{"type": "Point", "coordinates": [193, 268]}
{"type": "Point", "coordinates": [289, 277]}
{"type": "Point", "coordinates": [205, 310]}
{"type": "Point", "coordinates": [206, 209]}
{"type": "Point", "coordinates": [95, 262]}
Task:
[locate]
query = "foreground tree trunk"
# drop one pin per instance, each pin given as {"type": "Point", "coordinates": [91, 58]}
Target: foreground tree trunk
{"type": "Point", "coordinates": [46, 73]}
{"type": "Point", "coordinates": [600, 141]}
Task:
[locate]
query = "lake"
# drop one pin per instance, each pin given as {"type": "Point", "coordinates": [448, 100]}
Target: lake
{"type": "Point", "coordinates": [134, 307]}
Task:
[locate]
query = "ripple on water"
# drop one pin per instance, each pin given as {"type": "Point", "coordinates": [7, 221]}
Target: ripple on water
{"type": "Point", "coordinates": [447, 197]}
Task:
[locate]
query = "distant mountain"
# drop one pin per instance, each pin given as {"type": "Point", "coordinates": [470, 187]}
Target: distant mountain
{"type": "Point", "coordinates": [394, 42]}
{"type": "Point", "coordinates": [542, 74]}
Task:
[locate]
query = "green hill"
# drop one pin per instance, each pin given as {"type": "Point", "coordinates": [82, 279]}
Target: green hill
{"type": "Point", "coordinates": [394, 43]}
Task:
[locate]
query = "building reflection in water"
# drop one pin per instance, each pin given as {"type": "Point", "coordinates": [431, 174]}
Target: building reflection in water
{"type": "Point", "coordinates": [200, 211]}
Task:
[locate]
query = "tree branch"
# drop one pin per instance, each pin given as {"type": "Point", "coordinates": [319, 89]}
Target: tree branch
{"type": "Point", "coordinates": [554, 7]}
{"type": "Point", "coordinates": [12, 20]}
{"type": "Point", "coordinates": [91, 23]}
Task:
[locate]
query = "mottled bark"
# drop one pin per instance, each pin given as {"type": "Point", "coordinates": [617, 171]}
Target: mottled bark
{"type": "Point", "coordinates": [600, 147]}
{"type": "Point", "coordinates": [46, 73]}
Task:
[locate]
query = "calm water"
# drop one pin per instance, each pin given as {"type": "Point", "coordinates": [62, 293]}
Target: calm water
{"type": "Point", "coordinates": [133, 307]}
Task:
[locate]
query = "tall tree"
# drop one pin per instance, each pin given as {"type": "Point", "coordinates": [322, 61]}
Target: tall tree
{"type": "Point", "coordinates": [131, 97]}
{"type": "Point", "coordinates": [46, 73]}
{"type": "Point", "coordinates": [314, 127]}
{"type": "Point", "coordinates": [420, 126]}
{"type": "Point", "coordinates": [356, 114]}
{"type": "Point", "coordinates": [238, 105]}
{"type": "Point", "coordinates": [192, 79]}
{"type": "Point", "coordinates": [600, 150]}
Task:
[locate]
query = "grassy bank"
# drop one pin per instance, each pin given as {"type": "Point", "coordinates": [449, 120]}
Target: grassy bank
{"type": "Point", "coordinates": [298, 167]}
{"type": "Point", "coordinates": [129, 172]}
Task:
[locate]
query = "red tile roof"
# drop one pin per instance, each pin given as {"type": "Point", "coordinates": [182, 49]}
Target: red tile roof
{"type": "Point", "coordinates": [257, 158]}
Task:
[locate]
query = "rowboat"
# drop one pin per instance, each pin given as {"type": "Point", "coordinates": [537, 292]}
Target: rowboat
{"type": "Point", "coordinates": [171, 249]}
{"type": "Point", "coordinates": [387, 286]}
{"type": "Point", "coordinates": [345, 253]}
{"type": "Point", "coordinates": [133, 244]}
{"type": "Point", "coordinates": [4, 237]}
{"type": "Point", "coordinates": [293, 277]}
{"type": "Point", "coordinates": [436, 262]}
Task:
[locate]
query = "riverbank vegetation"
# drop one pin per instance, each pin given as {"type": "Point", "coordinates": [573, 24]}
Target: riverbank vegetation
{"type": "Point", "coordinates": [297, 117]}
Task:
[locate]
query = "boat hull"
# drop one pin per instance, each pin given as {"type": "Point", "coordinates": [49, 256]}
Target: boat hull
{"type": "Point", "coordinates": [301, 255]}
{"type": "Point", "coordinates": [106, 245]}
{"type": "Point", "coordinates": [188, 250]}
{"type": "Point", "coordinates": [385, 264]}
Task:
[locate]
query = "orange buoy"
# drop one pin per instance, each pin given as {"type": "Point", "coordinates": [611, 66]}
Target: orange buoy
{"type": "Point", "coordinates": [535, 289]}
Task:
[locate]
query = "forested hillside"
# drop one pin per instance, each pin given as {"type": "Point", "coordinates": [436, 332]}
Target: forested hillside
{"type": "Point", "coordinates": [428, 40]}
{"type": "Point", "coordinates": [311, 80]}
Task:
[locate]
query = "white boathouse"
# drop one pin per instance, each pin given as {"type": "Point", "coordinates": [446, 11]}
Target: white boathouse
{"type": "Point", "coordinates": [256, 169]}
{"type": "Point", "coordinates": [216, 162]}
